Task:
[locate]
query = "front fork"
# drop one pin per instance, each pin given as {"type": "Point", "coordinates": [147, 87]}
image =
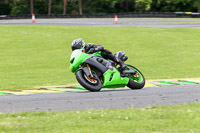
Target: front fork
{"type": "Point", "coordinates": [92, 76]}
{"type": "Point", "coordinates": [87, 71]}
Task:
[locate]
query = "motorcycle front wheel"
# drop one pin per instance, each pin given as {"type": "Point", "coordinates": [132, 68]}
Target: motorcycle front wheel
{"type": "Point", "coordinates": [91, 84]}
{"type": "Point", "coordinates": [136, 81]}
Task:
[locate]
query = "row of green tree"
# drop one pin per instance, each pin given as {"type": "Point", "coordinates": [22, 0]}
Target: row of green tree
{"type": "Point", "coordinates": [13, 7]}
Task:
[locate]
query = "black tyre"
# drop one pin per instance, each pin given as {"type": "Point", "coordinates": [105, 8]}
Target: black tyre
{"type": "Point", "coordinates": [136, 82]}
{"type": "Point", "coordinates": [93, 85]}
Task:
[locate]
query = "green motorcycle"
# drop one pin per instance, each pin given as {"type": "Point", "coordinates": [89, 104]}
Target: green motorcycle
{"type": "Point", "coordinates": [94, 72]}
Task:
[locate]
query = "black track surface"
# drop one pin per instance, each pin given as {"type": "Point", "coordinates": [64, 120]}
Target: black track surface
{"type": "Point", "coordinates": [100, 100]}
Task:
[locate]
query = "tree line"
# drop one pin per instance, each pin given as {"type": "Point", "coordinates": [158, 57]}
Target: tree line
{"type": "Point", "coordinates": [14, 7]}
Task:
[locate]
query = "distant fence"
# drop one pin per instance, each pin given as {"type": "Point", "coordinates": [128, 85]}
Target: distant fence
{"type": "Point", "coordinates": [111, 15]}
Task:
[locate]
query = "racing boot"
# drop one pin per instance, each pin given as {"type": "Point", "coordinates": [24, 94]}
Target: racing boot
{"type": "Point", "coordinates": [121, 63]}
{"type": "Point", "coordinates": [124, 58]}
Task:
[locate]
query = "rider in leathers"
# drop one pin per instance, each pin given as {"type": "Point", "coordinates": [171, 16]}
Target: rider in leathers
{"type": "Point", "coordinates": [92, 48]}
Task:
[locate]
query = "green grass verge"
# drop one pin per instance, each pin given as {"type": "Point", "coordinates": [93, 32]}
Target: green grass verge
{"type": "Point", "coordinates": [165, 119]}
{"type": "Point", "coordinates": [39, 55]}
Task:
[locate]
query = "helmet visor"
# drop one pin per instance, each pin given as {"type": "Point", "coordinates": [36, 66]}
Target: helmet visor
{"type": "Point", "coordinates": [76, 47]}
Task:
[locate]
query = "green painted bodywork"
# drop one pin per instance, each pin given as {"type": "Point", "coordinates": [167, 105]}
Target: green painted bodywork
{"type": "Point", "coordinates": [116, 81]}
{"type": "Point", "coordinates": [78, 57]}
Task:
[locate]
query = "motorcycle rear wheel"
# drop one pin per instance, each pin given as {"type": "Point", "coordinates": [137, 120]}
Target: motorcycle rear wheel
{"type": "Point", "coordinates": [91, 86]}
{"type": "Point", "coordinates": [137, 82]}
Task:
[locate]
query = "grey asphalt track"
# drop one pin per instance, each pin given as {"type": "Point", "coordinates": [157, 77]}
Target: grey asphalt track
{"type": "Point", "coordinates": [139, 22]}
{"type": "Point", "coordinates": [146, 97]}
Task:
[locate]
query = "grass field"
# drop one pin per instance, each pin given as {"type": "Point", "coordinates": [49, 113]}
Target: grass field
{"type": "Point", "coordinates": [39, 55]}
{"type": "Point", "coordinates": [165, 119]}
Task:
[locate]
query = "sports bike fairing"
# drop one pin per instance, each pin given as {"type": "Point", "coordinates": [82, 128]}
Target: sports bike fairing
{"type": "Point", "coordinates": [78, 57]}
{"type": "Point", "coordinates": [112, 76]}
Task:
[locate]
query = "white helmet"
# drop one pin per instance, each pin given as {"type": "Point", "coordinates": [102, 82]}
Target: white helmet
{"type": "Point", "coordinates": [78, 44]}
